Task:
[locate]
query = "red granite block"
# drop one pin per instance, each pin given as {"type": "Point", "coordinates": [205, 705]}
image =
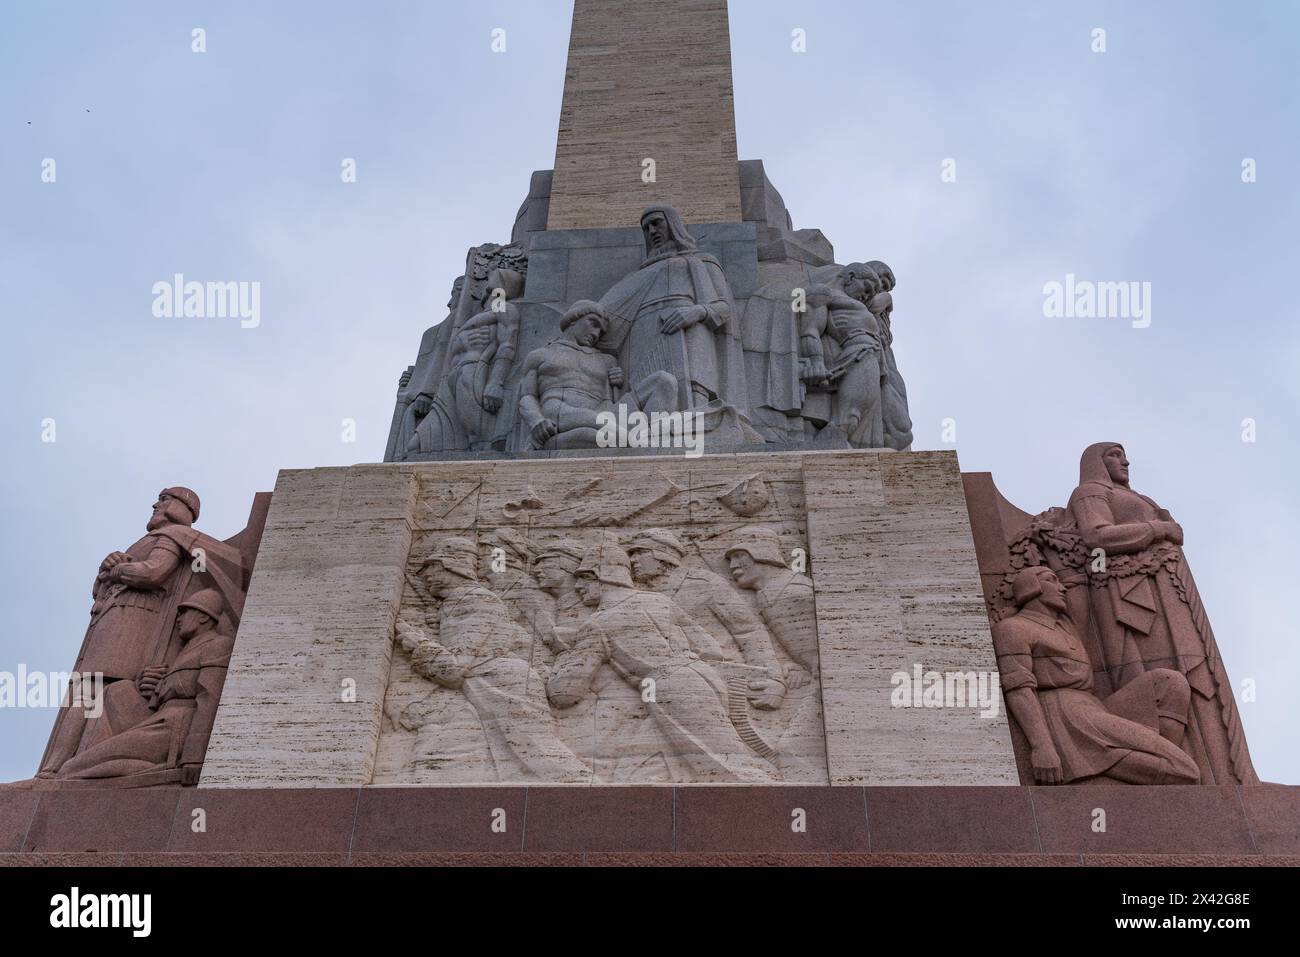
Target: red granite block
{"type": "Point", "coordinates": [1273, 812]}
{"type": "Point", "coordinates": [599, 819]}
{"type": "Point", "coordinates": [1173, 819]}
{"type": "Point", "coordinates": [235, 859]}
{"type": "Point", "coordinates": [403, 820]}
{"type": "Point", "coordinates": [265, 819]}
{"type": "Point", "coordinates": [16, 811]}
{"type": "Point", "coordinates": [897, 859]}
{"type": "Point", "coordinates": [77, 859]}
{"type": "Point", "coordinates": [763, 819]}
{"type": "Point", "coordinates": [463, 859]}
{"type": "Point", "coordinates": [951, 819]}
{"type": "Point", "coordinates": [109, 819]}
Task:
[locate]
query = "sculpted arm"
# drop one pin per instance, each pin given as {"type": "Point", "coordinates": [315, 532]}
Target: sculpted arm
{"type": "Point", "coordinates": [153, 572]}
{"type": "Point", "coordinates": [212, 678]}
{"type": "Point", "coordinates": [507, 346]}
{"type": "Point", "coordinates": [571, 676]}
{"type": "Point", "coordinates": [1019, 687]}
{"type": "Point", "coordinates": [1099, 529]}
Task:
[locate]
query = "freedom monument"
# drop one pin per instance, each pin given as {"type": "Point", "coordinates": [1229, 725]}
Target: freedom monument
{"type": "Point", "coordinates": [649, 518]}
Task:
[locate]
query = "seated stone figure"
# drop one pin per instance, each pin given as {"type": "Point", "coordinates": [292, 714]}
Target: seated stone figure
{"type": "Point", "coordinates": [1134, 736]}
{"type": "Point", "coordinates": [162, 720]}
{"type": "Point", "coordinates": [568, 383]}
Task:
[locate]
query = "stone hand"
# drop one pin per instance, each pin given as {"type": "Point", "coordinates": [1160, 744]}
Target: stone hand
{"type": "Point", "coordinates": [545, 430]}
{"type": "Point", "coordinates": [815, 371]}
{"type": "Point", "coordinates": [796, 677]}
{"type": "Point", "coordinates": [408, 636]}
{"type": "Point", "coordinates": [492, 396]}
{"type": "Point", "coordinates": [147, 683]}
{"type": "Point", "coordinates": [766, 694]}
{"type": "Point", "coordinates": [616, 377]}
{"type": "Point", "coordinates": [422, 404]}
{"type": "Point", "coordinates": [1047, 765]}
{"type": "Point", "coordinates": [112, 560]}
{"type": "Point", "coordinates": [1173, 532]}
{"type": "Point", "coordinates": [683, 318]}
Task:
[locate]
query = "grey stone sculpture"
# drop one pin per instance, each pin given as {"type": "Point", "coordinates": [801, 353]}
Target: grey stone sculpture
{"type": "Point", "coordinates": [479, 356]}
{"type": "Point", "coordinates": [748, 325]}
{"type": "Point", "coordinates": [568, 383]}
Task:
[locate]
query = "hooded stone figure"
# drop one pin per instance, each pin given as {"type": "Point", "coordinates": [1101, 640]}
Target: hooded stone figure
{"type": "Point", "coordinates": [675, 314]}
{"type": "Point", "coordinates": [1146, 609]}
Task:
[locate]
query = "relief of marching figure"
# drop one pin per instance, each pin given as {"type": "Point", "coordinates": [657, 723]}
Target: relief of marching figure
{"type": "Point", "coordinates": [610, 658]}
{"type": "Point", "coordinates": [1130, 599]}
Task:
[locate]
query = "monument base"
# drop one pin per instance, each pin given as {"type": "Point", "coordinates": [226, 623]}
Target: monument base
{"type": "Point", "coordinates": [794, 590]}
{"type": "Point", "coordinates": [1194, 825]}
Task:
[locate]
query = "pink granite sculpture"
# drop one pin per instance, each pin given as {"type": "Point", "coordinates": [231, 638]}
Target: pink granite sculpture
{"type": "Point", "coordinates": [142, 640]}
{"type": "Point", "coordinates": [1133, 736]}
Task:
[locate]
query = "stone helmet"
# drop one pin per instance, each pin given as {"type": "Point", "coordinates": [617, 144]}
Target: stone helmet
{"type": "Point", "coordinates": [566, 548]}
{"type": "Point", "coordinates": [1026, 585]}
{"type": "Point", "coordinates": [607, 562]}
{"type": "Point", "coordinates": [760, 543]}
{"type": "Point", "coordinates": [458, 555]}
{"type": "Point", "coordinates": [660, 543]}
{"type": "Point", "coordinates": [209, 601]}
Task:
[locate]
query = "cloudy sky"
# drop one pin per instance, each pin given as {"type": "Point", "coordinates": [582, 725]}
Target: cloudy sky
{"type": "Point", "coordinates": [1117, 166]}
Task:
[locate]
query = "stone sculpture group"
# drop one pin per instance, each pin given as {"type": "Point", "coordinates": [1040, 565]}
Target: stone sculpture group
{"type": "Point", "coordinates": [1151, 702]}
{"type": "Point", "coordinates": [668, 337]}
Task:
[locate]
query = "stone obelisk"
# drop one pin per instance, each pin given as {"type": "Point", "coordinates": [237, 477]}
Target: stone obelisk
{"type": "Point", "coordinates": [647, 91]}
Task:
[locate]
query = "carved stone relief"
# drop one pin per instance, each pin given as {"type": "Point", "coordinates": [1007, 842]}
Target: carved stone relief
{"type": "Point", "coordinates": [627, 628]}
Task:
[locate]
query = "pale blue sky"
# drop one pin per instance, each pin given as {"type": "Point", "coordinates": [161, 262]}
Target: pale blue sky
{"type": "Point", "coordinates": [225, 165]}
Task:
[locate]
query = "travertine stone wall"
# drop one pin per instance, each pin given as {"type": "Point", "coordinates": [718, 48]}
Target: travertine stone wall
{"type": "Point", "coordinates": [319, 694]}
{"type": "Point", "coordinates": [641, 84]}
{"type": "Point", "coordinates": [303, 698]}
{"type": "Point", "coordinates": [897, 586]}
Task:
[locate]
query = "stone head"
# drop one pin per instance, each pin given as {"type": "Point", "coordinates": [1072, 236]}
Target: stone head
{"type": "Point", "coordinates": [757, 549]}
{"type": "Point", "coordinates": [885, 273]}
{"type": "Point", "coordinates": [199, 613]}
{"type": "Point", "coordinates": [1039, 584]}
{"type": "Point", "coordinates": [654, 553]}
{"type": "Point", "coordinates": [859, 282]}
{"type": "Point", "coordinates": [456, 289]}
{"type": "Point", "coordinates": [175, 506]}
{"type": "Point", "coordinates": [665, 230]}
{"type": "Point", "coordinates": [1116, 464]}
{"type": "Point", "coordinates": [585, 322]}
{"type": "Point", "coordinates": [451, 566]}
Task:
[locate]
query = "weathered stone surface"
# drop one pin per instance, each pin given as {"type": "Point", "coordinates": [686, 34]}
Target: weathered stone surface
{"type": "Point", "coordinates": [497, 623]}
{"type": "Point", "coordinates": [642, 84]}
{"type": "Point", "coordinates": [305, 689]}
{"type": "Point", "coordinates": [896, 590]}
